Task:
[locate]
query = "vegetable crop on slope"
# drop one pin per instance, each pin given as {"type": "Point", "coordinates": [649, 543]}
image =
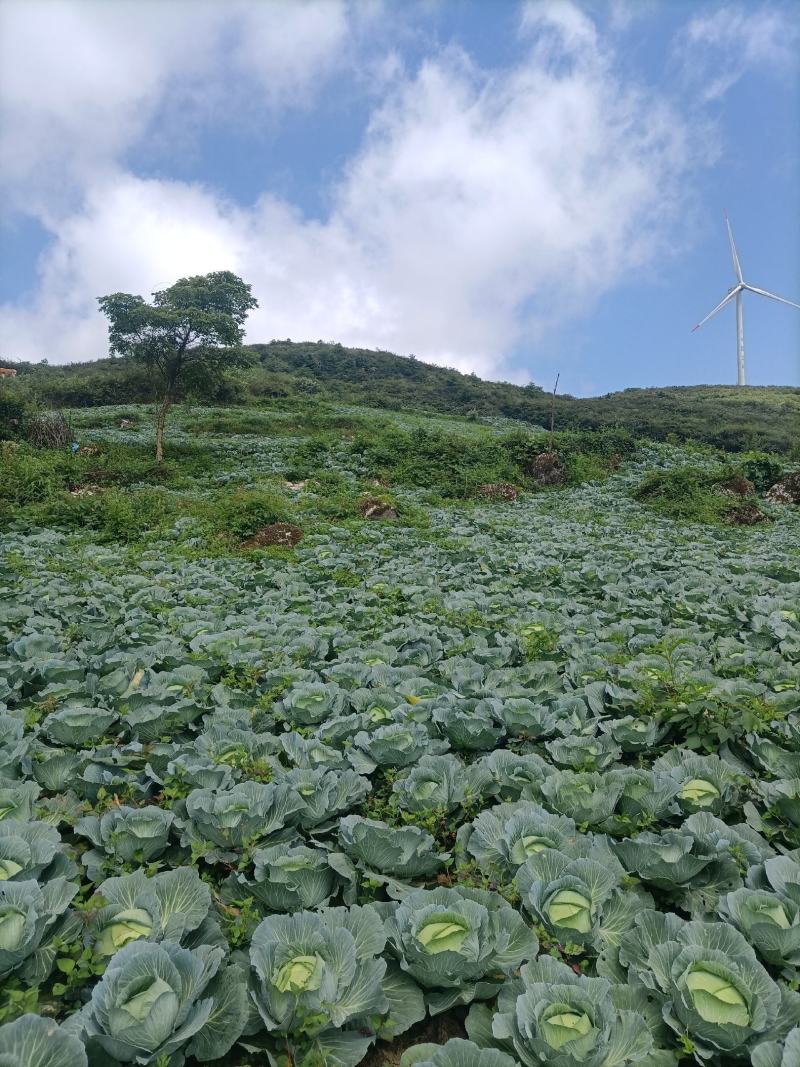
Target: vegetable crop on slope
{"type": "Point", "coordinates": [538, 768]}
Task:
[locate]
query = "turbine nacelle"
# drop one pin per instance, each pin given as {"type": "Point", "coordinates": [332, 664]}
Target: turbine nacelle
{"type": "Point", "coordinates": [736, 293]}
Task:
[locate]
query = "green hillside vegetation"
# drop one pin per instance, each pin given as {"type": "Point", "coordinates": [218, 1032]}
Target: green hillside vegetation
{"type": "Point", "coordinates": [293, 375]}
{"type": "Point", "coordinates": [388, 728]}
{"type": "Point", "coordinates": [226, 468]}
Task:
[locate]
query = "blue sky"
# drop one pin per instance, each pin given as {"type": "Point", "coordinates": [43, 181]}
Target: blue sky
{"type": "Point", "coordinates": [517, 189]}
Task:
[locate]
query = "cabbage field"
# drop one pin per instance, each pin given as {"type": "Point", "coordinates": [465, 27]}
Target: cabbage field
{"type": "Point", "coordinates": [518, 784]}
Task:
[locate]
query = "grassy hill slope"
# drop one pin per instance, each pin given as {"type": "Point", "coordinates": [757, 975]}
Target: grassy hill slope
{"type": "Point", "coordinates": [288, 372]}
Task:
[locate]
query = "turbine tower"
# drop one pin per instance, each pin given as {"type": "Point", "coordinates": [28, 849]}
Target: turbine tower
{"type": "Point", "coordinates": [736, 292]}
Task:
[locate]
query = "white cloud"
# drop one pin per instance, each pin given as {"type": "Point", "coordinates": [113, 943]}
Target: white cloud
{"type": "Point", "coordinates": [563, 18]}
{"type": "Point", "coordinates": [717, 49]}
{"type": "Point", "coordinates": [81, 81]}
{"type": "Point", "coordinates": [482, 208]}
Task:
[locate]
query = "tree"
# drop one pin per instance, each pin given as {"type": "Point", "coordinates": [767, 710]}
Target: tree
{"type": "Point", "coordinates": [187, 337]}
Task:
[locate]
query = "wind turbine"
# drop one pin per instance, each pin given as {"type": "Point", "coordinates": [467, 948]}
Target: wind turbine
{"type": "Point", "coordinates": [737, 290]}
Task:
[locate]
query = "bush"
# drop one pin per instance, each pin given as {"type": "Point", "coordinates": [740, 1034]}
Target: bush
{"type": "Point", "coordinates": [451, 463]}
{"type": "Point", "coordinates": [16, 407]}
{"type": "Point", "coordinates": [107, 464]}
{"type": "Point", "coordinates": [761, 469]}
{"type": "Point", "coordinates": [111, 515]}
{"type": "Point", "coordinates": [232, 423]}
{"type": "Point", "coordinates": [30, 476]}
{"type": "Point", "coordinates": [687, 494]}
{"type": "Point", "coordinates": [246, 511]}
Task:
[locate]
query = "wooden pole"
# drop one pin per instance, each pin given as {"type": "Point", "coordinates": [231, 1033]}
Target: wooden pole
{"type": "Point", "coordinates": [553, 412]}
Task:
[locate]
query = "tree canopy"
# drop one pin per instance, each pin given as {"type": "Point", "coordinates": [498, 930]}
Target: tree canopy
{"type": "Point", "coordinates": [188, 336]}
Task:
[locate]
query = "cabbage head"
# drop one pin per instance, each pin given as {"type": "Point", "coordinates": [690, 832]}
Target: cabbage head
{"type": "Point", "coordinates": [232, 746]}
{"type": "Point", "coordinates": [124, 835]}
{"type": "Point", "coordinates": [783, 796]}
{"type": "Point", "coordinates": [14, 745]}
{"type": "Point", "coordinates": [458, 944]}
{"type": "Point", "coordinates": [32, 1041]}
{"type": "Point", "coordinates": [552, 1015]}
{"type": "Point", "coordinates": [585, 796]}
{"type": "Point", "coordinates": [584, 753]}
{"type": "Point", "coordinates": [503, 837]}
{"type": "Point", "coordinates": [174, 905]}
{"type": "Point", "coordinates": [56, 769]}
{"type": "Point", "coordinates": [402, 852]}
{"type": "Point", "coordinates": [521, 717]}
{"type": "Point", "coordinates": [767, 911]}
{"type": "Point", "coordinates": [397, 745]}
{"type": "Point", "coordinates": [647, 797]}
{"type": "Point", "coordinates": [439, 783]}
{"type": "Point", "coordinates": [706, 783]}
{"type": "Point", "coordinates": [325, 794]}
{"type": "Point", "coordinates": [17, 800]}
{"type": "Point", "coordinates": [311, 702]}
{"type": "Point", "coordinates": [290, 878]}
{"type": "Point", "coordinates": [311, 752]}
{"type": "Point", "coordinates": [580, 901]}
{"type": "Point", "coordinates": [77, 726]}
{"type": "Point", "coordinates": [454, 1053]}
{"type": "Point", "coordinates": [515, 775]}
{"type": "Point", "coordinates": [711, 984]}
{"type": "Point", "coordinates": [157, 1001]}
{"type": "Point", "coordinates": [635, 733]}
{"type": "Point", "coordinates": [470, 728]}
{"type": "Point", "coordinates": [32, 918]}
{"type": "Point", "coordinates": [188, 772]}
{"type": "Point", "coordinates": [770, 924]}
{"type": "Point", "coordinates": [696, 862]}
{"type": "Point", "coordinates": [318, 982]}
{"type": "Point", "coordinates": [31, 850]}
{"type": "Point", "coordinates": [222, 824]}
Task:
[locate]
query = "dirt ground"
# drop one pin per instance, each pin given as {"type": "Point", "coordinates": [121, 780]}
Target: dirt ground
{"type": "Point", "coordinates": [439, 1029]}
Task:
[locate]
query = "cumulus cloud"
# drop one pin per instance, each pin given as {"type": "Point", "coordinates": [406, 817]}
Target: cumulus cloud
{"type": "Point", "coordinates": [481, 208]}
{"type": "Point", "coordinates": [82, 82]}
{"type": "Point", "coordinates": [716, 49]}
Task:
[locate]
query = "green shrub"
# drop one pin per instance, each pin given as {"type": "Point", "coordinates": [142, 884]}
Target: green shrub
{"type": "Point", "coordinates": [244, 512]}
{"type": "Point", "coordinates": [31, 476]}
{"type": "Point", "coordinates": [332, 496]}
{"type": "Point", "coordinates": [16, 408]}
{"type": "Point", "coordinates": [232, 423]}
{"type": "Point", "coordinates": [762, 469]}
{"type": "Point", "coordinates": [110, 515]}
{"type": "Point", "coordinates": [684, 493]}
{"type": "Point", "coordinates": [452, 464]}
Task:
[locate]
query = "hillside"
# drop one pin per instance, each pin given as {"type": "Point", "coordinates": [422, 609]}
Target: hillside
{"type": "Point", "coordinates": [288, 372]}
{"type": "Point", "coordinates": [307, 687]}
{"type": "Point", "coordinates": [727, 416]}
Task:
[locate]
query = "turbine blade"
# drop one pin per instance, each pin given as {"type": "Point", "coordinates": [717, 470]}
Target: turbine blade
{"type": "Point", "coordinates": [734, 255]}
{"type": "Point", "coordinates": [772, 296]}
{"type": "Point", "coordinates": [719, 307]}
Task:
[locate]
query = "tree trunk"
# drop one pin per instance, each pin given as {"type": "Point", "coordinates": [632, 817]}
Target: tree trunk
{"type": "Point", "coordinates": [161, 418]}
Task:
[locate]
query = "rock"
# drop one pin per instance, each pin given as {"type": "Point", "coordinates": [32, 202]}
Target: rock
{"type": "Point", "coordinates": [547, 469]}
{"type": "Point", "coordinates": [277, 533]}
{"type": "Point", "coordinates": [372, 507]}
{"type": "Point", "coordinates": [745, 515]}
{"type": "Point", "coordinates": [738, 485]}
{"type": "Point", "coordinates": [127, 424]}
{"type": "Point", "coordinates": [786, 491]}
{"type": "Point", "coordinates": [497, 491]}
